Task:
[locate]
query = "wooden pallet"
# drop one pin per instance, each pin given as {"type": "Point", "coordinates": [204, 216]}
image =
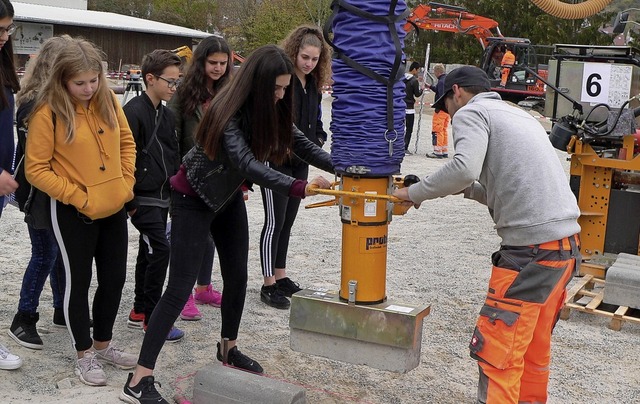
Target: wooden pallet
{"type": "Point", "coordinates": [586, 296]}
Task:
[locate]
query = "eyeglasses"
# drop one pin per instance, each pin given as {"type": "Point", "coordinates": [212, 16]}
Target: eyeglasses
{"type": "Point", "coordinates": [9, 30]}
{"type": "Point", "coordinates": [170, 83]}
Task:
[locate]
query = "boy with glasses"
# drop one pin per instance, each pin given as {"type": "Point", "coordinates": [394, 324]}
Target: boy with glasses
{"type": "Point", "coordinates": [157, 159]}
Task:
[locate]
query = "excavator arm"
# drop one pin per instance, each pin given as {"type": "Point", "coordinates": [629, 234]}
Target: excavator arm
{"type": "Point", "coordinates": [443, 17]}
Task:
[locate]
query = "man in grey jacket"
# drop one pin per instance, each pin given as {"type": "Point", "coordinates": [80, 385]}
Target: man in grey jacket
{"type": "Point", "coordinates": [503, 159]}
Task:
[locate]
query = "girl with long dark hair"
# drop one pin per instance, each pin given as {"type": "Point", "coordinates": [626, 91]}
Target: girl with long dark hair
{"type": "Point", "coordinates": [208, 72]}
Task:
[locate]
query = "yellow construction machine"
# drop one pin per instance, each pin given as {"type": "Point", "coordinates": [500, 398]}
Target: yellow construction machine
{"type": "Point", "coordinates": [593, 98]}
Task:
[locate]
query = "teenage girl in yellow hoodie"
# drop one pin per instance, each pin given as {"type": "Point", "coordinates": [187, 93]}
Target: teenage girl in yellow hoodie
{"type": "Point", "coordinates": [80, 152]}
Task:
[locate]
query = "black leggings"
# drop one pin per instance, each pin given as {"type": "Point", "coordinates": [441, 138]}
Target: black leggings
{"type": "Point", "coordinates": [191, 223]}
{"type": "Point", "coordinates": [280, 212]}
{"type": "Point", "coordinates": [81, 240]}
{"type": "Point", "coordinates": [409, 119]}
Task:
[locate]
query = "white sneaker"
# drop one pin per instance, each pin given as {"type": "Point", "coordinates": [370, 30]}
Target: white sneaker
{"type": "Point", "coordinates": [117, 358]}
{"type": "Point", "coordinates": [90, 370]}
{"type": "Point", "coordinates": [9, 361]}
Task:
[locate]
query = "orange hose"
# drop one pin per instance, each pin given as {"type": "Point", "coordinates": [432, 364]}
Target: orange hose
{"type": "Point", "coordinates": [566, 11]}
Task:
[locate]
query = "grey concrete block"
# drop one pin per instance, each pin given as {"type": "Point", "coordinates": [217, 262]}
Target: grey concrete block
{"type": "Point", "coordinates": [622, 282]}
{"type": "Point", "coordinates": [384, 357]}
{"type": "Point", "coordinates": [385, 336]}
{"type": "Point", "coordinates": [218, 384]}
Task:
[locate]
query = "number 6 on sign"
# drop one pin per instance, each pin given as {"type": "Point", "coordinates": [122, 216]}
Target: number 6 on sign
{"type": "Point", "coordinates": [606, 83]}
{"type": "Point", "coordinates": [595, 82]}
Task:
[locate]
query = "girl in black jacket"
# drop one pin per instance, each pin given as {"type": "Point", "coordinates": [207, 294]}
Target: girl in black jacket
{"type": "Point", "coordinates": [310, 54]}
{"type": "Point", "coordinates": [248, 123]}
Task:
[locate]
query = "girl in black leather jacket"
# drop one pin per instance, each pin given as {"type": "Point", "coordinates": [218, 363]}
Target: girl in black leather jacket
{"type": "Point", "coordinates": [248, 123]}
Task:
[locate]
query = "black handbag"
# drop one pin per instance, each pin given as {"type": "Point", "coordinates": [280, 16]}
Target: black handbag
{"type": "Point", "coordinates": [201, 174]}
{"type": "Point", "coordinates": [37, 210]}
{"type": "Point", "coordinates": [212, 180]}
{"type": "Point", "coordinates": [34, 203]}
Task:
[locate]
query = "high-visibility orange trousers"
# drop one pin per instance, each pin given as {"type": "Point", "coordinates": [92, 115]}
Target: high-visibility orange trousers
{"type": "Point", "coordinates": [439, 126]}
{"type": "Point", "coordinates": [512, 338]}
{"type": "Point", "coordinates": [505, 75]}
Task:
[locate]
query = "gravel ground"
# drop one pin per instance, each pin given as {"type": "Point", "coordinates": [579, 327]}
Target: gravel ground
{"type": "Point", "coordinates": [437, 255]}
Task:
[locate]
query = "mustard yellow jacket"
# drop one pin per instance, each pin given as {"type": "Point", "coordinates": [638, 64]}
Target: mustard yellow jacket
{"type": "Point", "coordinates": [94, 173]}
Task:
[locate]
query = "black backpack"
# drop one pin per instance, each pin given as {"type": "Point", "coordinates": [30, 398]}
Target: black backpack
{"type": "Point", "coordinates": [33, 202]}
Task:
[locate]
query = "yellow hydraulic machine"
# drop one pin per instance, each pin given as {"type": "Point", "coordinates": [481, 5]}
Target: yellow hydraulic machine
{"type": "Point", "coordinates": [358, 324]}
{"type": "Point", "coordinates": [595, 111]}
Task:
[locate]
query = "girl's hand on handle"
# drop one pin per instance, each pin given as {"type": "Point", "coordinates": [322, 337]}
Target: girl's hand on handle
{"type": "Point", "coordinates": [317, 182]}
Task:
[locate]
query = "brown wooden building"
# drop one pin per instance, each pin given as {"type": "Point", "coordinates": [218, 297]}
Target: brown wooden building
{"type": "Point", "coordinates": [124, 39]}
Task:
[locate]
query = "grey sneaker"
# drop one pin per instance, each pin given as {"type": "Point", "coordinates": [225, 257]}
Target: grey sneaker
{"type": "Point", "coordinates": [117, 358]}
{"type": "Point", "coordinates": [9, 361]}
{"type": "Point", "coordinates": [89, 370]}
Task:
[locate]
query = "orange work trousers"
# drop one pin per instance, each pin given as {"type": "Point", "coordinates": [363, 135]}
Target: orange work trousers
{"type": "Point", "coordinates": [505, 75]}
{"type": "Point", "coordinates": [512, 338]}
{"type": "Point", "coordinates": [440, 136]}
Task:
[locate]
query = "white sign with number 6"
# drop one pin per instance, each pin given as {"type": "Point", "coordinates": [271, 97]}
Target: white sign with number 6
{"type": "Point", "coordinates": [606, 83]}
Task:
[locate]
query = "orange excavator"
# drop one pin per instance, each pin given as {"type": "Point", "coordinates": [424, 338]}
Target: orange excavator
{"type": "Point", "coordinates": [521, 86]}
{"type": "Point", "coordinates": [443, 17]}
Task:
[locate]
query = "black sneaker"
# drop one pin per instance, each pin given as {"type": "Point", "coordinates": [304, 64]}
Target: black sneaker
{"type": "Point", "coordinates": [288, 287]}
{"type": "Point", "coordinates": [145, 392]}
{"type": "Point", "coordinates": [239, 360]}
{"type": "Point", "coordinates": [58, 318]}
{"type": "Point", "coordinates": [274, 297]}
{"type": "Point", "coordinates": [23, 330]}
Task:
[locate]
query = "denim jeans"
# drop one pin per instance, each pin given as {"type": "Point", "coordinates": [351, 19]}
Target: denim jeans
{"type": "Point", "coordinates": [45, 261]}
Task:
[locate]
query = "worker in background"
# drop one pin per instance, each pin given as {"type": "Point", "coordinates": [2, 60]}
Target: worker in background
{"type": "Point", "coordinates": [412, 90]}
{"type": "Point", "coordinates": [508, 60]}
{"type": "Point", "coordinates": [494, 71]}
{"type": "Point", "coordinates": [440, 122]}
{"type": "Point", "coordinates": [536, 220]}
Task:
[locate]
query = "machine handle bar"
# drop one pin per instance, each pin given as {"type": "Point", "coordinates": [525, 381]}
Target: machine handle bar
{"type": "Point", "coordinates": [335, 192]}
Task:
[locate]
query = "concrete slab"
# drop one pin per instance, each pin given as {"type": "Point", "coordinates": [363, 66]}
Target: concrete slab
{"type": "Point", "coordinates": [622, 282]}
{"type": "Point", "coordinates": [218, 384]}
{"type": "Point", "coordinates": [385, 336]}
{"type": "Point", "coordinates": [383, 357]}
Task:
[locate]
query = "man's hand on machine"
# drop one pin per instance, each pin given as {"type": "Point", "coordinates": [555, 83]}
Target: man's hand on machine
{"type": "Point", "coordinates": [317, 182]}
{"type": "Point", "coordinates": [403, 193]}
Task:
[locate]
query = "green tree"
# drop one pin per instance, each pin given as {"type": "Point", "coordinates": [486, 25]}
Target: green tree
{"type": "Point", "coordinates": [196, 14]}
{"type": "Point", "coordinates": [139, 9]}
{"type": "Point", "coordinates": [274, 19]}
{"type": "Point", "coordinates": [234, 22]}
